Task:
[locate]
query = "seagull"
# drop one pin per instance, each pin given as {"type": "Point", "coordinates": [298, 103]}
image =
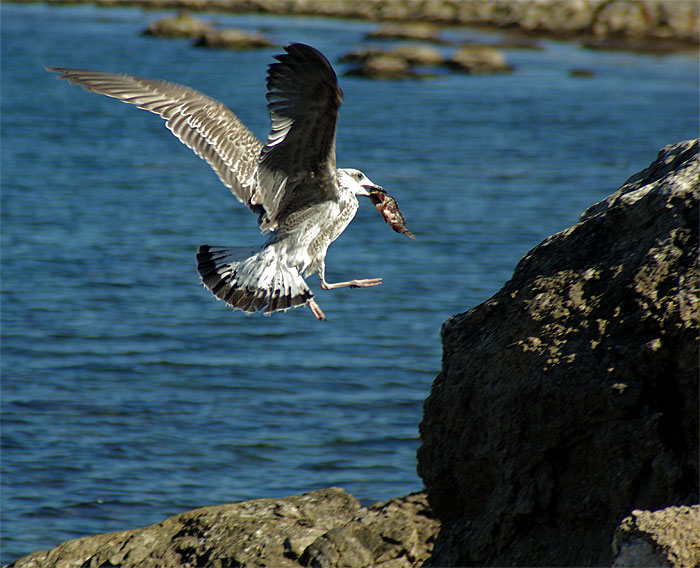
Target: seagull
{"type": "Point", "coordinates": [291, 182]}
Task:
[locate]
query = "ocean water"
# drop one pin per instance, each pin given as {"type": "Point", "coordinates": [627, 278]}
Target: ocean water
{"type": "Point", "coordinates": [129, 394]}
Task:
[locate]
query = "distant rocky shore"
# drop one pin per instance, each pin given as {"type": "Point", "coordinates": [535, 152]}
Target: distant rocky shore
{"type": "Point", "coordinates": [648, 25]}
{"type": "Point", "coordinates": [561, 431]}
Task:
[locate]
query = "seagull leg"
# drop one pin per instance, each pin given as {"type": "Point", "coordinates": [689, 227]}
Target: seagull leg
{"type": "Point", "coordinates": [316, 310]}
{"type": "Point", "coordinates": [364, 283]}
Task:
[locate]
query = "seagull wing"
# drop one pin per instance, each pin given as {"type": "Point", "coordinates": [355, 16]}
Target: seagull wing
{"type": "Point", "coordinates": [209, 128]}
{"type": "Point", "coordinates": [297, 165]}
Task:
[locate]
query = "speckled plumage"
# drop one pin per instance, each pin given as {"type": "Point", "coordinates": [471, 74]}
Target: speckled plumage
{"type": "Point", "coordinates": [291, 182]}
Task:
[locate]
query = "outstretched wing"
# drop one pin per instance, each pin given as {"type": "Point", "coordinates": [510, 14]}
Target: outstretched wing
{"type": "Point", "coordinates": [297, 164]}
{"type": "Point", "coordinates": [203, 124]}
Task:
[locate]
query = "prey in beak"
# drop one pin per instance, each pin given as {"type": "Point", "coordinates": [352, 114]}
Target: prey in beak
{"type": "Point", "coordinates": [387, 206]}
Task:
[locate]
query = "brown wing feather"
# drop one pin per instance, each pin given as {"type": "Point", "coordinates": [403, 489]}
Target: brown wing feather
{"type": "Point", "coordinates": [297, 164]}
{"type": "Point", "coordinates": [203, 124]}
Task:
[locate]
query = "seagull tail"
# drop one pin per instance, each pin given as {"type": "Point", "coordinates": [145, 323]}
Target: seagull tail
{"type": "Point", "coordinates": [251, 279]}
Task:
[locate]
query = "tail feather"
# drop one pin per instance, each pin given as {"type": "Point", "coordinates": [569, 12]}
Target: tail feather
{"type": "Point", "coordinates": [251, 279]}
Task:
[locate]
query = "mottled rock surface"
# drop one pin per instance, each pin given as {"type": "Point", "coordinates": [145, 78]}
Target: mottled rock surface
{"type": "Point", "coordinates": [669, 537]}
{"type": "Point", "coordinates": [324, 528]}
{"type": "Point", "coordinates": [570, 398]}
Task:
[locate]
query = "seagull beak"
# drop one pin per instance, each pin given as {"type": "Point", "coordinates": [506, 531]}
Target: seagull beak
{"type": "Point", "coordinates": [373, 189]}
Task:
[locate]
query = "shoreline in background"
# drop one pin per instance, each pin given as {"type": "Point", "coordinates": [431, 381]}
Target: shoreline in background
{"type": "Point", "coordinates": [652, 26]}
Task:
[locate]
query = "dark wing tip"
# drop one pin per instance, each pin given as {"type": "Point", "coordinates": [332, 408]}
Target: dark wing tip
{"type": "Point", "coordinates": [300, 59]}
{"type": "Point", "coordinates": [303, 51]}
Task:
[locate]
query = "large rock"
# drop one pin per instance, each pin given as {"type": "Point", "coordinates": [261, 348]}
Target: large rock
{"type": "Point", "coordinates": [324, 528]}
{"type": "Point", "coordinates": [570, 397]}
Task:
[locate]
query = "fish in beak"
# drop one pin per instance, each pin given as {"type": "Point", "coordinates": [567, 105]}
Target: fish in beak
{"type": "Point", "coordinates": [387, 206]}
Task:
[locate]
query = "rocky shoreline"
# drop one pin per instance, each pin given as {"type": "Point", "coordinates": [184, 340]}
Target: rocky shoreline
{"type": "Point", "coordinates": [648, 25]}
{"type": "Point", "coordinates": [327, 527]}
{"type": "Point", "coordinates": [562, 430]}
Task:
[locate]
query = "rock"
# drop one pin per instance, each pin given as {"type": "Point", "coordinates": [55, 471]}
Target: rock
{"type": "Point", "coordinates": [669, 537]}
{"type": "Point", "coordinates": [376, 63]}
{"type": "Point", "coordinates": [423, 31]}
{"type": "Point", "coordinates": [621, 19]}
{"type": "Point", "coordinates": [479, 59]}
{"type": "Point", "coordinates": [232, 39]}
{"type": "Point", "coordinates": [186, 25]}
{"type": "Point", "coordinates": [182, 25]}
{"type": "Point", "coordinates": [313, 529]}
{"type": "Point", "coordinates": [569, 398]}
{"type": "Point", "coordinates": [398, 63]}
{"type": "Point", "coordinates": [362, 54]}
{"type": "Point", "coordinates": [423, 55]}
{"type": "Point", "coordinates": [644, 23]}
{"type": "Point", "coordinates": [383, 66]}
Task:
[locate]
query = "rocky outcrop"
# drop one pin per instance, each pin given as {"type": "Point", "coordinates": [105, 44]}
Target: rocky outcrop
{"type": "Point", "coordinates": [181, 25]}
{"type": "Point", "coordinates": [648, 24]}
{"type": "Point", "coordinates": [185, 25]}
{"type": "Point", "coordinates": [383, 66]}
{"type": "Point", "coordinates": [420, 55]}
{"type": "Point", "coordinates": [479, 60]}
{"type": "Point", "coordinates": [669, 537]}
{"type": "Point", "coordinates": [232, 38]}
{"type": "Point", "coordinates": [570, 398]}
{"type": "Point", "coordinates": [421, 31]}
{"type": "Point", "coordinates": [401, 61]}
{"type": "Point", "coordinates": [324, 528]}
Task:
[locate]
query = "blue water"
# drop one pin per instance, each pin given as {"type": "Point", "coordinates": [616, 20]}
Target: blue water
{"type": "Point", "coordinates": [129, 394]}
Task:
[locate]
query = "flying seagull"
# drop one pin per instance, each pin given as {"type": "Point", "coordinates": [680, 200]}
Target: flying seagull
{"type": "Point", "coordinates": [291, 182]}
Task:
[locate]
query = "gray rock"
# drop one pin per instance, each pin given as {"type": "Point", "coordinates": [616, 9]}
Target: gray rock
{"type": "Point", "coordinates": [362, 54]}
{"type": "Point", "coordinates": [423, 55]}
{"type": "Point", "coordinates": [398, 63]}
{"type": "Point", "coordinates": [570, 397]}
{"type": "Point", "coordinates": [319, 529]}
{"type": "Point", "coordinates": [232, 38]}
{"type": "Point", "coordinates": [182, 25]}
{"type": "Point", "coordinates": [383, 66]}
{"type": "Point", "coordinates": [479, 59]}
{"type": "Point", "coordinates": [424, 31]}
{"type": "Point", "coordinates": [669, 537]}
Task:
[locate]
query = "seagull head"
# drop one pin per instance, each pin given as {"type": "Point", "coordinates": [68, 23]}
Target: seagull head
{"type": "Point", "coordinates": [356, 182]}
